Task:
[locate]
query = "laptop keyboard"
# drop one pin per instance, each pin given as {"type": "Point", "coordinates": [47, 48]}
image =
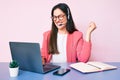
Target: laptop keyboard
{"type": "Point", "coordinates": [49, 67]}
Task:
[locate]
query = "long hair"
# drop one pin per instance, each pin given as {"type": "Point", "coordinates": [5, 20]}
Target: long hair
{"type": "Point", "coordinates": [70, 27]}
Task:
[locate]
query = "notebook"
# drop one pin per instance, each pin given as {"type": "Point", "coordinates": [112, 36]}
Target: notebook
{"type": "Point", "coordinates": [92, 66]}
{"type": "Point", "coordinates": [28, 55]}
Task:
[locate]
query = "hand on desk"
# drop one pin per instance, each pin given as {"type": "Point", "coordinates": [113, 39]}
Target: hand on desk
{"type": "Point", "coordinates": [43, 61]}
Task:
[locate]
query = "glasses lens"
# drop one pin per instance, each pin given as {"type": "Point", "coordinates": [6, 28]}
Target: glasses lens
{"type": "Point", "coordinates": [60, 17]}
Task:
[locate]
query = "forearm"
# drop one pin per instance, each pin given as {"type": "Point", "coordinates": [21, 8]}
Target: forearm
{"type": "Point", "coordinates": [85, 52]}
{"type": "Point", "coordinates": [88, 37]}
{"type": "Point", "coordinates": [91, 28]}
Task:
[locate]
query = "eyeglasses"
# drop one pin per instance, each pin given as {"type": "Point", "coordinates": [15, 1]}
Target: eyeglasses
{"type": "Point", "coordinates": [60, 17]}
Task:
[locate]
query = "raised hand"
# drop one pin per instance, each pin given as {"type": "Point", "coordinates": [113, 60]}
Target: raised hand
{"type": "Point", "coordinates": [91, 28]}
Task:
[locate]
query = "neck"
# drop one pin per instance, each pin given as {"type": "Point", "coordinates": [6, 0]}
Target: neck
{"type": "Point", "coordinates": [62, 31]}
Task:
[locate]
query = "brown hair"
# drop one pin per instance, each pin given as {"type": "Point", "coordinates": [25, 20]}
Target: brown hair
{"type": "Point", "coordinates": [52, 46]}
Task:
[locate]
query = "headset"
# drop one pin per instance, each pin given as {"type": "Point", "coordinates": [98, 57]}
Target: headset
{"type": "Point", "coordinates": [68, 13]}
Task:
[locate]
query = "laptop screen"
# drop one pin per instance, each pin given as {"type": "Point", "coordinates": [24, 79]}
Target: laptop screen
{"type": "Point", "coordinates": [27, 55]}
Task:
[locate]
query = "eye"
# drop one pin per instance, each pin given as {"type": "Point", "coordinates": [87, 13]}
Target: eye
{"type": "Point", "coordinates": [60, 17]}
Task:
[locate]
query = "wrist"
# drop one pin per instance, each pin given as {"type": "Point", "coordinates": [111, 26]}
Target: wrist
{"type": "Point", "coordinates": [88, 37]}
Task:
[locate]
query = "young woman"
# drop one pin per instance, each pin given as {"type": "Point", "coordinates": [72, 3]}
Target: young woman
{"type": "Point", "coordinates": [64, 43]}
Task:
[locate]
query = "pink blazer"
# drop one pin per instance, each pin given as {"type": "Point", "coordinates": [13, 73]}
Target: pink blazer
{"type": "Point", "coordinates": [77, 49]}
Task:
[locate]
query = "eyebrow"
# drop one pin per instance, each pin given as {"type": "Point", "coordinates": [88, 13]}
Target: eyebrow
{"type": "Point", "coordinates": [59, 15]}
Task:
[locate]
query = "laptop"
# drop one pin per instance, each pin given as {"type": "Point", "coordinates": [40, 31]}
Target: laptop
{"type": "Point", "coordinates": [28, 55]}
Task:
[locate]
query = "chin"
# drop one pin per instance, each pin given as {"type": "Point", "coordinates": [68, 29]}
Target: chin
{"type": "Point", "coordinates": [60, 27]}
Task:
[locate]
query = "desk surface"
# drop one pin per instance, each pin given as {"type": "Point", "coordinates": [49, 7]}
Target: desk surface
{"type": "Point", "coordinates": [72, 75]}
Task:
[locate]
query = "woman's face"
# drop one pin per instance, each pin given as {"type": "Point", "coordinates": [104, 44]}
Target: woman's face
{"type": "Point", "coordinates": [59, 19]}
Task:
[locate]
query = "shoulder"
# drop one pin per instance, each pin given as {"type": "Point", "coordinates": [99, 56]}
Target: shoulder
{"type": "Point", "coordinates": [47, 32]}
{"type": "Point", "coordinates": [77, 34]}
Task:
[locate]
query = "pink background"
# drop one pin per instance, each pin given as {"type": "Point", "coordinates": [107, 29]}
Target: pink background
{"type": "Point", "coordinates": [26, 20]}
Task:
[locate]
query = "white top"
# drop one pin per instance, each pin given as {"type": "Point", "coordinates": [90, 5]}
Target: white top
{"type": "Point", "coordinates": [61, 44]}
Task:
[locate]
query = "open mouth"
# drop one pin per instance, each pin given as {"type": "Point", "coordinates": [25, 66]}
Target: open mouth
{"type": "Point", "coordinates": [60, 24]}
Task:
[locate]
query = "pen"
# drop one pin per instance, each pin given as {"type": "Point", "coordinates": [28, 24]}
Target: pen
{"type": "Point", "coordinates": [95, 66]}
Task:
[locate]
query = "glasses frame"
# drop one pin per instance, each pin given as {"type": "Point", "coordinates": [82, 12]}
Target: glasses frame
{"type": "Point", "coordinates": [60, 17]}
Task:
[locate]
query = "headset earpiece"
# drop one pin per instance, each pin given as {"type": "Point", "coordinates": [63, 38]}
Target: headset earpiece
{"type": "Point", "coordinates": [68, 13]}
